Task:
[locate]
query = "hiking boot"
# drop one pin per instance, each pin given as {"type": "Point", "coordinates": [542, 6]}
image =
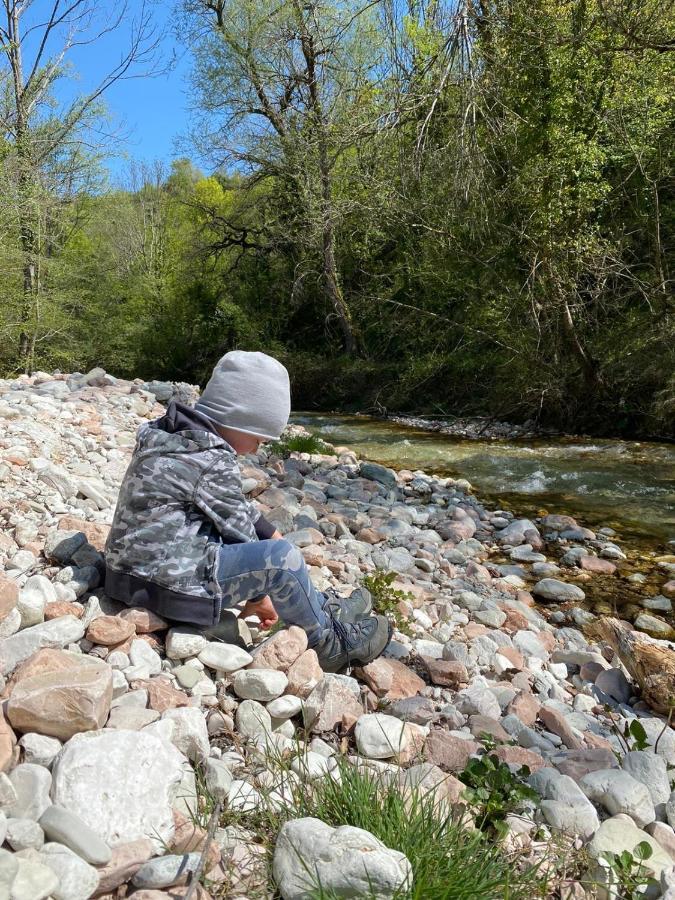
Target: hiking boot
{"type": "Point", "coordinates": [349, 609]}
{"type": "Point", "coordinates": [353, 643]}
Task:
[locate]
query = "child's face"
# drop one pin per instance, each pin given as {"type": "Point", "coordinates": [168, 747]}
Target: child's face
{"type": "Point", "coordinates": [242, 443]}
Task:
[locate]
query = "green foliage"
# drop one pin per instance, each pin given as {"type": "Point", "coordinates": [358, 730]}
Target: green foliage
{"type": "Point", "coordinates": [630, 875]}
{"type": "Point", "coordinates": [498, 200]}
{"type": "Point", "coordinates": [386, 599]}
{"type": "Point", "coordinates": [298, 443]}
{"type": "Point", "coordinates": [635, 736]}
{"type": "Point", "coordinates": [494, 791]}
{"type": "Point", "coordinates": [449, 862]}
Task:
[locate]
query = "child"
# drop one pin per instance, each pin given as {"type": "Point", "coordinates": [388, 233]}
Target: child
{"type": "Point", "coordinates": [187, 544]}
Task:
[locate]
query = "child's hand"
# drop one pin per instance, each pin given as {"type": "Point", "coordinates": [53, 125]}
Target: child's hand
{"type": "Point", "coordinates": [264, 610]}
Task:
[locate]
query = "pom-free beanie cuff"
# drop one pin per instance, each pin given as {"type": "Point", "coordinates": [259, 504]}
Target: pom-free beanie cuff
{"type": "Point", "coordinates": [249, 392]}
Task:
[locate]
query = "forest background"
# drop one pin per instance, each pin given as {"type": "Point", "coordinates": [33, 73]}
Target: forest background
{"type": "Point", "coordinates": [443, 207]}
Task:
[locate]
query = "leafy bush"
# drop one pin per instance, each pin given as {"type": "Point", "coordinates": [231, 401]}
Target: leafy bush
{"type": "Point", "coordinates": [386, 599]}
{"type": "Point", "coordinates": [494, 791]}
{"type": "Point", "coordinates": [628, 872]}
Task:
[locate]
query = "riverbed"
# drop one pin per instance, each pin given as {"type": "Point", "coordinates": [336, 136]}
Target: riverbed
{"type": "Point", "coordinates": [626, 485]}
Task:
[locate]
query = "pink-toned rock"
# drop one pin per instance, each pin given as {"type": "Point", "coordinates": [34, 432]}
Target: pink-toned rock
{"type": "Point", "coordinates": [596, 565]}
{"type": "Point", "coordinates": [304, 674]}
{"type": "Point", "coordinates": [64, 702]}
{"type": "Point", "coordinates": [481, 725]}
{"type": "Point", "coordinates": [9, 595]}
{"type": "Point", "coordinates": [474, 630]}
{"type": "Point", "coordinates": [446, 672]}
{"type": "Point", "coordinates": [449, 752]}
{"type": "Point", "coordinates": [519, 756]}
{"type": "Point", "coordinates": [126, 861]}
{"type": "Point", "coordinates": [668, 589]}
{"type": "Point", "coordinates": [162, 695]}
{"type": "Point", "coordinates": [58, 608]}
{"type": "Point", "coordinates": [577, 763]}
{"type": "Point", "coordinates": [525, 597]}
{"type": "Point", "coordinates": [328, 704]}
{"type": "Point", "coordinates": [589, 671]}
{"type": "Point", "coordinates": [144, 620]}
{"type": "Point", "coordinates": [525, 706]}
{"type": "Point", "coordinates": [515, 621]}
{"type": "Point", "coordinates": [391, 679]}
{"type": "Point", "coordinates": [45, 660]}
{"type": "Point", "coordinates": [514, 656]}
{"type": "Point", "coordinates": [547, 639]}
{"type": "Point", "coordinates": [110, 631]}
{"type": "Point", "coordinates": [190, 838]}
{"type": "Point", "coordinates": [596, 741]}
{"type": "Point", "coordinates": [96, 533]}
{"type": "Point", "coordinates": [369, 536]}
{"type": "Point", "coordinates": [556, 723]}
{"type": "Point", "coordinates": [281, 650]}
{"type": "Point", "coordinates": [8, 749]}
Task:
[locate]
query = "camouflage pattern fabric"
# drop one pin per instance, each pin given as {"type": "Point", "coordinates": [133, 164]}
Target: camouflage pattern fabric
{"type": "Point", "coordinates": [181, 498]}
{"type": "Point", "coordinates": [277, 568]}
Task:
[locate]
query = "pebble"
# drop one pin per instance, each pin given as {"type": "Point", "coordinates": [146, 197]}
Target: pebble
{"type": "Point", "coordinates": [557, 591]}
{"type": "Point", "coordinates": [77, 879]}
{"type": "Point", "coordinates": [33, 880]}
{"type": "Point", "coordinates": [66, 828]}
{"type": "Point", "coordinates": [166, 871]}
{"type": "Point", "coordinates": [259, 684]}
{"type": "Point", "coordinates": [379, 736]}
{"type": "Point", "coordinates": [224, 657]}
{"type": "Point", "coordinates": [619, 792]}
{"type": "Point", "coordinates": [32, 785]}
{"type": "Point", "coordinates": [182, 643]}
{"type": "Point", "coordinates": [39, 749]}
{"type": "Point", "coordinates": [24, 833]}
{"type": "Point", "coordinates": [345, 861]}
{"type": "Point", "coordinates": [190, 734]}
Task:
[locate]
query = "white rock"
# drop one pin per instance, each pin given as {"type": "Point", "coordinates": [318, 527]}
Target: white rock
{"type": "Point", "coordinates": [39, 749]}
{"type": "Point", "coordinates": [190, 734]}
{"type": "Point", "coordinates": [33, 881]}
{"type": "Point", "coordinates": [183, 642]}
{"type": "Point", "coordinates": [252, 719]}
{"type": "Point", "coordinates": [77, 879]}
{"type": "Point", "coordinates": [619, 792]}
{"type": "Point", "coordinates": [285, 707]}
{"type": "Point", "coordinates": [342, 862]}
{"type": "Point", "coordinates": [478, 699]}
{"type": "Point", "coordinates": [121, 784]}
{"type": "Point", "coordinates": [621, 833]}
{"type": "Point", "coordinates": [650, 770]}
{"type": "Point", "coordinates": [32, 785]}
{"type": "Point", "coordinates": [380, 737]}
{"type": "Point", "coordinates": [224, 657]}
{"type": "Point", "coordinates": [23, 834]}
{"type": "Point", "coordinates": [142, 654]}
{"type": "Point", "coordinates": [259, 684]}
{"type": "Point", "coordinates": [33, 597]}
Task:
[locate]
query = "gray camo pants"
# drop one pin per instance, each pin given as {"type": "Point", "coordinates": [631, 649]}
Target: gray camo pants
{"type": "Point", "coordinates": [274, 567]}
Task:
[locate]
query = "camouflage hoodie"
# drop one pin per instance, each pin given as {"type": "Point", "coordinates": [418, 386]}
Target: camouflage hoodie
{"type": "Point", "coordinates": [180, 500]}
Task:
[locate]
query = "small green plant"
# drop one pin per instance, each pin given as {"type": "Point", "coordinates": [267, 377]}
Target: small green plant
{"type": "Point", "coordinates": [632, 736]}
{"type": "Point", "coordinates": [629, 872]}
{"type": "Point", "coordinates": [299, 443]}
{"type": "Point", "coordinates": [494, 791]}
{"type": "Point", "coordinates": [386, 599]}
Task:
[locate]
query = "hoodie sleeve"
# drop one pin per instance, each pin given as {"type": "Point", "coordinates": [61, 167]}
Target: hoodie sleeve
{"type": "Point", "coordinates": [218, 495]}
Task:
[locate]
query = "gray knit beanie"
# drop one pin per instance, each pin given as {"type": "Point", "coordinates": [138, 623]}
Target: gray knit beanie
{"type": "Point", "coordinates": [248, 392]}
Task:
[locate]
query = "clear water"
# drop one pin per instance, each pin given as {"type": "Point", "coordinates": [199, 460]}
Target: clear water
{"type": "Point", "coordinates": [627, 485]}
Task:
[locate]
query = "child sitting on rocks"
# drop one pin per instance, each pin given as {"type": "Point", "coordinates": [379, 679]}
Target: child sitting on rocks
{"type": "Point", "coordinates": [187, 544]}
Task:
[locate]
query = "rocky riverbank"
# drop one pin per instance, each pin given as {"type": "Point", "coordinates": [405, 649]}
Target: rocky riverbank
{"type": "Point", "coordinates": [120, 734]}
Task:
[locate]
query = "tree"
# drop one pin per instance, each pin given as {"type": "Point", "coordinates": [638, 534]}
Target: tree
{"type": "Point", "coordinates": [286, 91]}
{"type": "Point", "coordinates": [50, 147]}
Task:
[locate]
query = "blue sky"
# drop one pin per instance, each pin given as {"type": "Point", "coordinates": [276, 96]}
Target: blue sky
{"type": "Point", "coordinates": [152, 112]}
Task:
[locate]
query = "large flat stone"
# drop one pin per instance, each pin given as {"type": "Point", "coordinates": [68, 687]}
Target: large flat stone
{"type": "Point", "coordinates": [122, 784]}
{"type": "Point", "coordinates": [55, 633]}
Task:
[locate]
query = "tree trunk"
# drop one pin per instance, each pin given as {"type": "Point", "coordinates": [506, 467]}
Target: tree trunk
{"type": "Point", "coordinates": [650, 662]}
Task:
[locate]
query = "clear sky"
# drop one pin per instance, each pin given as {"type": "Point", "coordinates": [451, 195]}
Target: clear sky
{"type": "Point", "coordinates": [152, 112]}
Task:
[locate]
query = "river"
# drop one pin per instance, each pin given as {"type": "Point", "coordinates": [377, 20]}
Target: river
{"type": "Point", "coordinates": [627, 485]}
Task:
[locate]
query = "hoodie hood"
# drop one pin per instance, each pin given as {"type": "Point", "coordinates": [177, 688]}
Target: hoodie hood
{"type": "Point", "coordinates": [182, 429]}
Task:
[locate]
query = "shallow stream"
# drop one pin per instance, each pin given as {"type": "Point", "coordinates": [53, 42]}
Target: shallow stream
{"type": "Point", "coordinates": [627, 485]}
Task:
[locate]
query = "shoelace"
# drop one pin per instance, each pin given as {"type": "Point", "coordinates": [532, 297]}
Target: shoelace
{"type": "Point", "coordinates": [346, 633]}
